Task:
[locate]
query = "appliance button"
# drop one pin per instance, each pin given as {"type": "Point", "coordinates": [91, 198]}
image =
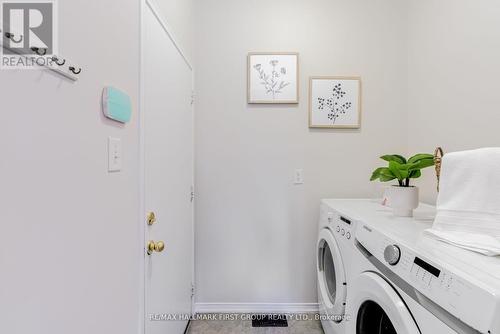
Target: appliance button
{"type": "Point", "coordinates": [392, 254]}
{"type": "Point", "coordinates": [342, 232]}
{"type": "Point", "coordinates": [348, 235]}
{"type": "Point", "coordinates": [338, 228]}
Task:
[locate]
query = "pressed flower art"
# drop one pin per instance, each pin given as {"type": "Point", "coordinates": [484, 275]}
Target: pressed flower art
{"type": "Point", "coordinates": [335, 102]}
{"type": "Point", "coordinates": [272, 78]}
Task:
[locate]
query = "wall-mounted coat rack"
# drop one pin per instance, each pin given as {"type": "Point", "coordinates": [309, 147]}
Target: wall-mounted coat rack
{"type": "Point", "coordinates": [55, 63]}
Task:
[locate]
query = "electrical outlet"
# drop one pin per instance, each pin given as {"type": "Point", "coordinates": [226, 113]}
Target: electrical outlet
{"type": "Point", "coordinates": [298, 177]}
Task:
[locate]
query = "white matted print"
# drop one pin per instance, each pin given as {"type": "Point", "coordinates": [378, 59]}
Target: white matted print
{"type": "Point", "coordinates": [335, 102]}
{"type": "Point", "coordinates": [273, 78]}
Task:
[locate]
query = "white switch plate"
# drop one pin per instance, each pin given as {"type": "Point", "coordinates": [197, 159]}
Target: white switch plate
{"type": "Point", "coordinates": [114, 154]}
{"type": "Point", "coordinates": [298, 177]}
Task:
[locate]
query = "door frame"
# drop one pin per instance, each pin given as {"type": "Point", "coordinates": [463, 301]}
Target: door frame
{"type": "Point", "coordinates": [144, 6]}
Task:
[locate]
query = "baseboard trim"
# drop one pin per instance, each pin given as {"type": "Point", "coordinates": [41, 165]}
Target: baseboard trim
{"type": "Point", "coordinates": [256, 307]}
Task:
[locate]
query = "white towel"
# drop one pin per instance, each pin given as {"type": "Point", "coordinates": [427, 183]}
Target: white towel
{"type": "Point", "coordinates": [468, 205]}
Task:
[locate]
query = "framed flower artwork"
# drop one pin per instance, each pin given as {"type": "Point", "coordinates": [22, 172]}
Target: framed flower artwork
{"type": "Point", "coordinates": [335, 102]}
{"type": "Point", "coordinates": [273, 78]}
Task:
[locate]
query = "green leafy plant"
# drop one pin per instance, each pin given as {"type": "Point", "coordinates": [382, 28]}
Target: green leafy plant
{"type": "Point", "coordinates": [401, 169]}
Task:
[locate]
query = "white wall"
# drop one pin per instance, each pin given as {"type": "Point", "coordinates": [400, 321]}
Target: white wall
{"type": "Point", "coordinates": [453, 101]}
{"type": "Point", "coordinates": [69, 245]}
{"type": "Point", "coordinates": [256, 231]}
{"type": "Point", "coordinates": [69, 236]}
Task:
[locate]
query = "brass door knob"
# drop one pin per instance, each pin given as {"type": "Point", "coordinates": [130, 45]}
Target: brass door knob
{"type": "Point", "coordinates": [155, 247]}
{"type": "Point", "coordinates": [151, 218]}
{"type": "Point", "coordinates": [160, 246]}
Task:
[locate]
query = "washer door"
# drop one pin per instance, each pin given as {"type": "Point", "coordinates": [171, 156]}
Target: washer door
{"type": "Point", "coordinates": [378, 309]}
{"type": "Point", "coordinates": [331, 276]}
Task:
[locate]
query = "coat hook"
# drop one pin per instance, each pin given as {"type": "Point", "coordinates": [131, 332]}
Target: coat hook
{"type": "Point", "coordinates": [72, 69]}
{"type": "Point", "coordinates": [39, 51]}
{"type": "Point", "coordinates": [11, 36]}
{"type": "Point", "coordinates": [56, 60]}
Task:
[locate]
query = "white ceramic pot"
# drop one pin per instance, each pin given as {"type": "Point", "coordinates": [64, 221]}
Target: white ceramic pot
{"type": "Point", "coordinates": [403, 200]}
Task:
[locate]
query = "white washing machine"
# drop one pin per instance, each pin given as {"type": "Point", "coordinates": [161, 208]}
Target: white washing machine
{"type": "Point", "coordinates": [334, 248]}
{"type": "Point", "coordinates": [400, 281]}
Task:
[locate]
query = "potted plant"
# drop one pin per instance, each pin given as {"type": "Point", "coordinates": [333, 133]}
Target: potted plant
{"type": "Point", "coordinates": [402, 198]}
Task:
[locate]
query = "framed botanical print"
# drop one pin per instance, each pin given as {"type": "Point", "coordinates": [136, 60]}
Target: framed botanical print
{"type": "Point", "coordinates": [273, 78]}
{"type": "Point", "coordinates": [335, 102]}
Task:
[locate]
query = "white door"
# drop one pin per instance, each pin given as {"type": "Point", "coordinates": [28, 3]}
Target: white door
{"type": "Point", "coordinates": [167, 132]}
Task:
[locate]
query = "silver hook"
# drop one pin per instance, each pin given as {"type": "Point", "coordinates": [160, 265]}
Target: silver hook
{"type": "Point", "coordinates": [11, 36]}
{"type": "Point", "coordinates": [39, 51]}
{"type": "Point", "coordinates": [56, 60]}
{"type": "Point", "coordinates": [73, 69]}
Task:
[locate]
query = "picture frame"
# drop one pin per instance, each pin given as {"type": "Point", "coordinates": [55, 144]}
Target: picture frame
{"type": "Point", "coordinates": [335, 102]}
{"type": "Point", "coordinates": [273, 77]}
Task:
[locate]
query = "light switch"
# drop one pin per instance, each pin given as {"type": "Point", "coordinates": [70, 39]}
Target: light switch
{"type": "Point", "coordinates": [114, 154]}
{"type": "Point", "coordinates": [298, 176]}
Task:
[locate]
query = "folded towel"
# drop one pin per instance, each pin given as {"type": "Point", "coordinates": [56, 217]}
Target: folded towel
{"type": "Point", "coordinates": [468, 205]}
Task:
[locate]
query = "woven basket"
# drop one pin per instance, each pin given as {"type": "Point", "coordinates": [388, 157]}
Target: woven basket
{"type": "Point", "coordinates": [438, 156]}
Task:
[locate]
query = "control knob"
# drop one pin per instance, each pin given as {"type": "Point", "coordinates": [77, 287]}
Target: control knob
{"type": "Point", "coordinates": [392, 253]}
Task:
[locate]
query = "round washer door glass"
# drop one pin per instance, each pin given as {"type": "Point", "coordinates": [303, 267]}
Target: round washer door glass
{"type": "Point", "coordinates": [372, 319]}
{"type": "Point", "coordinates": [331, 275]}
{"type": "Point", "coordinates": [328, 266]}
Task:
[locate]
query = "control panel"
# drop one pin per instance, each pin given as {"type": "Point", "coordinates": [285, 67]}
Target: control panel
{"type": "Point", "coordinates": [342, 225]}
{"type": "Point", "coordinates": [464, 300]}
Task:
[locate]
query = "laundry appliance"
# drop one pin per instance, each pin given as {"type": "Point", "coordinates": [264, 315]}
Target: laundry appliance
{"type": "Point", "coordinates": [334, 248]}
{"type": "Point", "coordinates": [399, 280]}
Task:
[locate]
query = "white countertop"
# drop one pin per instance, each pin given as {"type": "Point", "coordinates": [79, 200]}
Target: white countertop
{"type": "Point", "coordinates": [409, 231]}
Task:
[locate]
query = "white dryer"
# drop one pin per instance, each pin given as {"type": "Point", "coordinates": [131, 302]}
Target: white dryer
{"type": "Point", "coordinates": [334, 248]}
{"type": "Point", "coordinates": [402, 282]}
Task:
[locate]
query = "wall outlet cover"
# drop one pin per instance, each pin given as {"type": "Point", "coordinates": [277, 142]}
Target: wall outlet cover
{"type": "Point", "coordinates": [298, 177]}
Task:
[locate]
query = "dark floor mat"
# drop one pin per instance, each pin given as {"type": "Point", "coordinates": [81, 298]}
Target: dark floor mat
{"type": "Point", "coordinates": [269, 320]}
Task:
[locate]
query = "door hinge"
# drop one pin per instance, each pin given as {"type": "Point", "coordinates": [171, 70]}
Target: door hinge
{"type": "Point", "coordinates": [193, 97]}
{"type": "Point", "coordinates": [192, 193]}
{"type": "Point", "coordinates": [192, 290]}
